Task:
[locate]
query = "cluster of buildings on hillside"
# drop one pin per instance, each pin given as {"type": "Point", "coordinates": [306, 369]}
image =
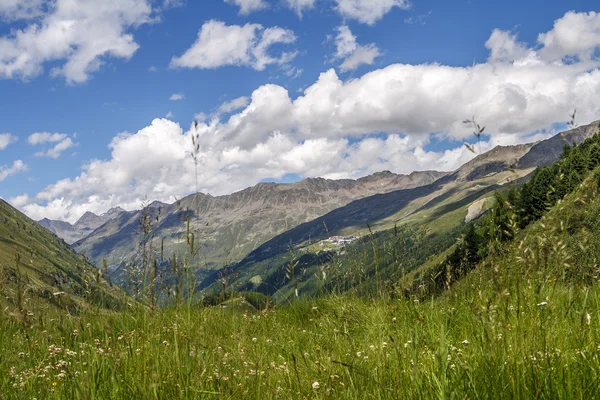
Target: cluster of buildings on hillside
{"type": "Point", "coordinates": [339, 240]}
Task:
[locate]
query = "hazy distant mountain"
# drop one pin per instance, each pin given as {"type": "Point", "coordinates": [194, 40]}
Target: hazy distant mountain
{"type": "Point", "coordinates": [83, 227]}
{"type": "Point", "coordinates": [229, 227]}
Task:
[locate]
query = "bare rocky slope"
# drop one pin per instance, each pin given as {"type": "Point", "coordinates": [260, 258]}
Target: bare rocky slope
{"type": "Point", "coordinates": [228, 227]}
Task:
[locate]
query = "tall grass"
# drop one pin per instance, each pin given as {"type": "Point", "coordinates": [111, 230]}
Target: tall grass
{"type": "Point", "coordinates": [474, 342]}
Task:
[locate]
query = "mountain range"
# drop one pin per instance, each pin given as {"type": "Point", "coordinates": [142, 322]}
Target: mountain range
{"type": "Point", "coordinates": [228, 227]}
{"type": "Point", "coordinates": [261, 221]}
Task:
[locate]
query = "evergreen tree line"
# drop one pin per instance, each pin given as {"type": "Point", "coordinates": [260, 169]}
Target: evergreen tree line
{"type": "Point", "coordinates": [512, 211]}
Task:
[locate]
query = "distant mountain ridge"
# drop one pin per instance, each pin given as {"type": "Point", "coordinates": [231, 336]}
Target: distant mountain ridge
{"type": "Point", "coordinates": [230, 226]}
{"type": "Point", "coordinates": [439, 206]}
{"type": "Point", "coordinates": [88, 222]}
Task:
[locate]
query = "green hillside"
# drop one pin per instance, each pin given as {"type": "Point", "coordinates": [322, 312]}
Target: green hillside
{"type": "Point", "coordinates": [39, 271]}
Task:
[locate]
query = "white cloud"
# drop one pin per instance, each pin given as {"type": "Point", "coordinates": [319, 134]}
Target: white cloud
{"type": "Point", "coordinates": [177, 97]}
{"type": "Point", "coordinates": [248, 6]}
{"type": "Point", "coordinates": [201, 117]}
{"type": "Point", "coordinates": [504, 47]}
{"type": "Point", "coordinates": [6, 171]}
{"type": "Point", "coordinates": [300, 5]}
{"type": "Point", "coordinates": [322, 132]}
{"type": "Point", "coordinates": [353, 54]}
{"type": "Point", "coordinates": [575, 34]}
{"type": "Point", "coordinates": [233, 105]}
{"type": "Point", "coordinates": [362, 55]}
{"type": "Point", "coordinates": [13, 10]}
{"type": "Point", "coordinates": [45, 137]}
{"type": "Point", "coordinates": [19, 201]}
{"type": "Point", "coordinates": [78, 35]}
{"type": "Point", "coordinates": [169, 115]}
{"type": "Point", "coordinates": [56, 151]}
{"type": "Point", "coordinates": [368, 11]}
{"type": "Point", "coordinates": [220, 45]}
{"type": "Point", "coordinates": [6, 139]}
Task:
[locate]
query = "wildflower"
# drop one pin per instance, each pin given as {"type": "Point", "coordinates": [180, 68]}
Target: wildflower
{"type": "Point", "coordinates": [316, 385]}
{"type": "Point", "coordinates": [543, 303]}
{"type": "Point", "coordinates": [588, 318]}
{"type": "Point", "coordinates": [465, 342]}
{"type": "Point", "coordinates": [21, 355]}
{"type": "Point", "coordinates": [165, 343]}
{"type": "Point", "coordinates": [254, 340]}
{"type": "Point", "coordinates": [394, 320]}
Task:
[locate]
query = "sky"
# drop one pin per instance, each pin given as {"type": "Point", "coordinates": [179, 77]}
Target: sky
{"type": "Point", "coordinates": [99, 99]}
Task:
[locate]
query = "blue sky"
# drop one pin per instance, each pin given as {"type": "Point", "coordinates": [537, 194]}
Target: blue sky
{"type": "Point", "coordinates": [344, 49]}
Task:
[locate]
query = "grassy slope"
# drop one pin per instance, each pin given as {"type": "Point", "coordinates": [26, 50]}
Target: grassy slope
{"type": "Point", "coordinates": [47, 266]}
{"type": "Point", "coordinates": [525, 324]}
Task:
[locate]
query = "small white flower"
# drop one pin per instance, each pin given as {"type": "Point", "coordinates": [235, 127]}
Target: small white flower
{"type": "Point", "coordinates": [316, 385]}
{"type": "Point", "coordinates": [465, 342]}
{"type": "Point", "coordinates": [254, 340]}
{"type": "Point", "coordinates": [543, 303]}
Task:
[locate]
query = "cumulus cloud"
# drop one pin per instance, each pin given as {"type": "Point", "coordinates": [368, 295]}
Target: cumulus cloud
{"type": "Point", "coordinates": [368, 11]}
{"type": "Point", "coordinates": [575, 34]}
{"type": "Point", "coordinates": [219, 45]}
{"type": "Point", "coordinates": [353, 54]}
{"type": "Point", "coordinates": [45, 137]}
{"type": "Point", "coordinates": [13, 10]}
{"type": "Point", "coordinates": [177, 97]}
{"type": "Point", "coordinates": [8, 170]}
{"type": "Point", "coordinates": [233, 105]}
{"type": "Point", "coordinates": [78, 35]}
{"type": "Point", "coordinates": [56, 151]}
{"type": "Point", "coordinates": [340, 129]}
{"type": "Point", "coordinates": [6, 139]}
{"type": "Point", "coordinates": [248, 6]}
{"type": "Point", "coordinates": [503, 46]}
{"type": "Point", "coordinates": [62, 143]}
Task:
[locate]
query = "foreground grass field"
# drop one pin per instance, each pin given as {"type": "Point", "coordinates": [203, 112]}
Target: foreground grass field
{"type": "Point", "coordinates": [539, 342]}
